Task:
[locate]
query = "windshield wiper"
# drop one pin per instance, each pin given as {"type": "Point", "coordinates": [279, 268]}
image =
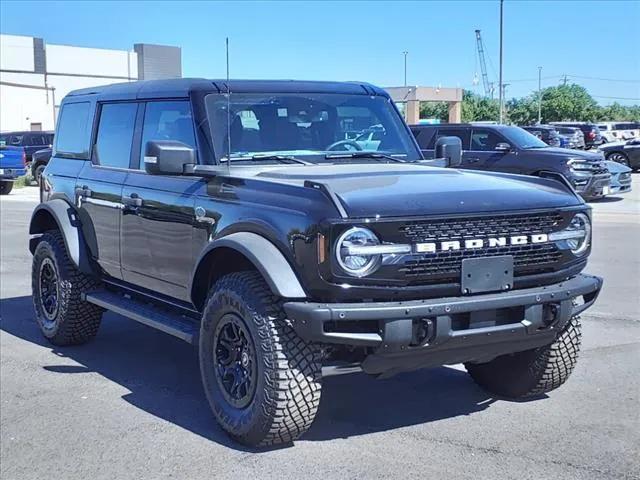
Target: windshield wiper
{"type": "Point", "coordinates": [376, 156]}
{"type": "Point", "coordinates": [279, 158]}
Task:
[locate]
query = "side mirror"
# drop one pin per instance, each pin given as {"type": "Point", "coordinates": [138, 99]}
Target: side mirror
{"type": "Point", "coordinates": [449, 148]}
{"type": "Point", "coordinates": [502, 147]}
{"type": "Point", "coordinates": [166, 157]}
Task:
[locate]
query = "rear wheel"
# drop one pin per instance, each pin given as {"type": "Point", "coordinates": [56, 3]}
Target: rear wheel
{"type": "Point", "coordinates": [532, 372]}
{"type": "Point", "coordinates": [262, 381]}
{"type": "Point", "coordinates": [5, 188]}
{"type": "Point", "coordinates": [57, 285]}
{"type": "Point", "coordinates": [619, 157]}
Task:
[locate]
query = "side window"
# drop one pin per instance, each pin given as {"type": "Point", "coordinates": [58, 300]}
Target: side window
{"type": "Point", "coordinates": [35, 140]}
{"type": "Point", "coordinates": [15, 140]}
{"type": "Point", "coordinates": [72, 138]}
{"type": "Point", "coordinates": [167, 121]}
{"type": "Point", "coordinates": [484, 140]}
{"type": "Point", "coordinates": [461, 133]}
{"type": "Point", "coordinates": [115, 134]}
{"type": "Point", "coordinates": [424, 137]}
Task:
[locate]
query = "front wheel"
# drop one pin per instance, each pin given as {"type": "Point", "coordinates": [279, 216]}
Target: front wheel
{"type": "Point", "coordinates": [262, 381]}
{"type": "Point", "coordinates": [532, 372]}
{"type": "Point", "coordinates": [57, 286]}
{"type": "Point", "coordinates": [619, 157]}
{"type": "Point", "coordinates": [5, 188]}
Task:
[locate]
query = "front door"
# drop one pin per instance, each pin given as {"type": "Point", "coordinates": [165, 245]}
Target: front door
{"type": "Point", "coordinates": [100, 183]}
{"type": "Point", "coordinates": [158, 220]}
{"type": "Point", "coordinates": [482, 153]}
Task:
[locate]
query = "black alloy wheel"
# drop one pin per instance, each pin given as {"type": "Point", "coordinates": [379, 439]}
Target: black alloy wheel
{"type": "Point", "coordinates": [234, 359]}
{"type": "Point", "coordinates": [49, 290]}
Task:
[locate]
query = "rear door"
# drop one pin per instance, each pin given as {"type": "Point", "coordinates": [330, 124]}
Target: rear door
{"type": "Point", "coordinates": [100, 182]}
{"type": "Point", "coordinates": [158, 220]}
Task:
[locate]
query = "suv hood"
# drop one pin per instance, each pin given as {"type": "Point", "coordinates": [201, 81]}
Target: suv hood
{"type": "Point", "coordinates": [564, 154]}
{"type": "Point", "coordinates": [398, 190]}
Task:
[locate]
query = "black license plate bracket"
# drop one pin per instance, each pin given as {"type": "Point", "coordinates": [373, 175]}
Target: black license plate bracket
{"type": "Point", "coordinates": [487, 274]}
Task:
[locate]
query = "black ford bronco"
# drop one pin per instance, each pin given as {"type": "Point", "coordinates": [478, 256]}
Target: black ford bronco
{"type": "Point", "coordinates": [245, 218]}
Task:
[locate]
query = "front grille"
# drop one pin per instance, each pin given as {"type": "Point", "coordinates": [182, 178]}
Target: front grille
{"type": "Point", "coordinates": [535, 258]}
{"type": "Point", "coordinates": [462, 228]}
{"type": "Point", "coordinates": [445, 267]}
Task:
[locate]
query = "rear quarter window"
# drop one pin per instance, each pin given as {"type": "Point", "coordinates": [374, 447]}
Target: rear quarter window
{"type": "Point", "coordinates": [73, 133]}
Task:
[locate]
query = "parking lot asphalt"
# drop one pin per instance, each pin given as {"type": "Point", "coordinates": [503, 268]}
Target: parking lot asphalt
{"type": "Point", "coordinates": [129, 405]}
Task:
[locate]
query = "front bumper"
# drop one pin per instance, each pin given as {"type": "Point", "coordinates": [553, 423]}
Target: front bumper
{"type": "Point", "coordinates": [620, 185]}
{"type": "Point", "coordinates": [453, 330]}
{"type": "Point", "coordinates": [592, 186]}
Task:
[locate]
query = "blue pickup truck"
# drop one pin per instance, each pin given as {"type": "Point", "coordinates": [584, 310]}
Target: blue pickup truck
{"type": "Point", "coordinates": [12, 166]}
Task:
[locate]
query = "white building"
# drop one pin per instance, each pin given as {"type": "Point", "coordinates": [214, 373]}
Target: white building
{"type": "Point", "coordinates": [35, 76]}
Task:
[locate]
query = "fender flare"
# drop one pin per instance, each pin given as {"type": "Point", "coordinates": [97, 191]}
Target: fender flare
{"type": "Point", "coordinates": [68, 224]}
{"type": "Point", "coordinates": [267, 259]}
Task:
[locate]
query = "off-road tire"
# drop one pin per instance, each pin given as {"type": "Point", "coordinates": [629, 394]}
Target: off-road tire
{"type": "Point", "coordinates": [288, 385]}
{"type": "Point", "coordinates": [619, 157]}
{"type": "Point", "coordinates": [5, 188]}
{"type": "Point", "coordinates": [532, 372]}
{"type": "Point", "coordinates": [76, 321]}
{"type": "Point", "coordinates": [37, 173]}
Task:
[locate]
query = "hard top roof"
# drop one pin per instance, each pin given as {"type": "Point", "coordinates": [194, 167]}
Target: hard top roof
{"type": "Point", "coordinates": [183, 87]}
{"type": "Point", "coordinates": [459, 125]}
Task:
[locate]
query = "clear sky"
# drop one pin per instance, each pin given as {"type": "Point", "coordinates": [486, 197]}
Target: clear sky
{"type": "Point", "coordinates": [365, 40]}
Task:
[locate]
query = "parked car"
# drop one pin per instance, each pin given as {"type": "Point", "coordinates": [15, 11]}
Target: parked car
{"type": "Point", "coordinates": [501, 148]}
{"type": "Point", "coordinates": [627, 153]}
{"type": "Point", "coordinates": [39, 162]}
{"type": "Point", "coordinates": [627, 130]}
{"type": "Point", "coordinates": [571, 137]}
{"type": "Point", "coordinates": [608, 133]}
{"type": "Point", "coordinates": [620, 177]}
{"type": "Point", "coordinates": [29, 141]}
{"type": "Point", "coordinates": [592, 136]}
{"type": "Point", "coordinates": [12, 166]}
{"type": "Point", "coordinates": [297, 254]}
{"type": "Point", "coordinates": [547, 133]}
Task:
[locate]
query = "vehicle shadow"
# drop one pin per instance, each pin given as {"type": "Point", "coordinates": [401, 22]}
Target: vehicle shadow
{"type": "Point", "coordinates": [607, 200]}
{"type": "Point", "coordinates": [162, 376]}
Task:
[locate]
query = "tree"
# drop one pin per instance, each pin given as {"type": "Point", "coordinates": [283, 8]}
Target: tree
{"type": "Point", "coordinates": [564, 102]}
{"type": "Point", "coordinates": [523, 111]}
{"type": "Point", "coordinates": [617, 112]}
{"type": "Point", "coordinates": [476, 108]}
{"type": "Point", "coordinates": [438, 110]}
{"type": "Point", "coordinates": [568, 102]}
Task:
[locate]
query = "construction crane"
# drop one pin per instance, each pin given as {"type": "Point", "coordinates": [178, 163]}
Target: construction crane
{"type": "Point", "coordinates": [488, 86]}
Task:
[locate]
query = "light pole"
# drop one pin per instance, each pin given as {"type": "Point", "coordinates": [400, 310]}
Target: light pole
{"type": "Point", "coordinates": [500, 88]}
{"type": "Point", "coordinates": [539, 95]}
{"type": "Point", "coordinates": [405, 67]}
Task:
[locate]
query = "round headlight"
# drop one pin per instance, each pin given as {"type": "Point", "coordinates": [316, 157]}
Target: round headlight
{"type": "Point", "coordinates": [581, 225]}
{"type": "Point", "coordinates": [357, 265]}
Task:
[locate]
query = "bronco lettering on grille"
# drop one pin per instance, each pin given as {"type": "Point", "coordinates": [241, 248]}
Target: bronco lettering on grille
{"type": "Point", "coordinates": [469, 244]}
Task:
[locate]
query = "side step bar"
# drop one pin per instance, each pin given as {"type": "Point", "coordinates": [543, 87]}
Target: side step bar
{"type": "Point", "coordinates": [173, 324]}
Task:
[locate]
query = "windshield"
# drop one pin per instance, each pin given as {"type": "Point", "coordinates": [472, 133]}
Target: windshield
{"type": "Point", "coordinates": [522, 139]}
{"type": "Point", "coordinates": [307, 125]}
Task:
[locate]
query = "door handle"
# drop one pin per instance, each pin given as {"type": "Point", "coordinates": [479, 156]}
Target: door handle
{"type": "Point", "coordinates": [83, 192]}
{"type": "Point", "coordinates": [473, 160]}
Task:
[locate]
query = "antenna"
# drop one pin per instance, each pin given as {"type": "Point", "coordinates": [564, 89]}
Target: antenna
{"type": "Point", "coordinates": [228, 113]}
